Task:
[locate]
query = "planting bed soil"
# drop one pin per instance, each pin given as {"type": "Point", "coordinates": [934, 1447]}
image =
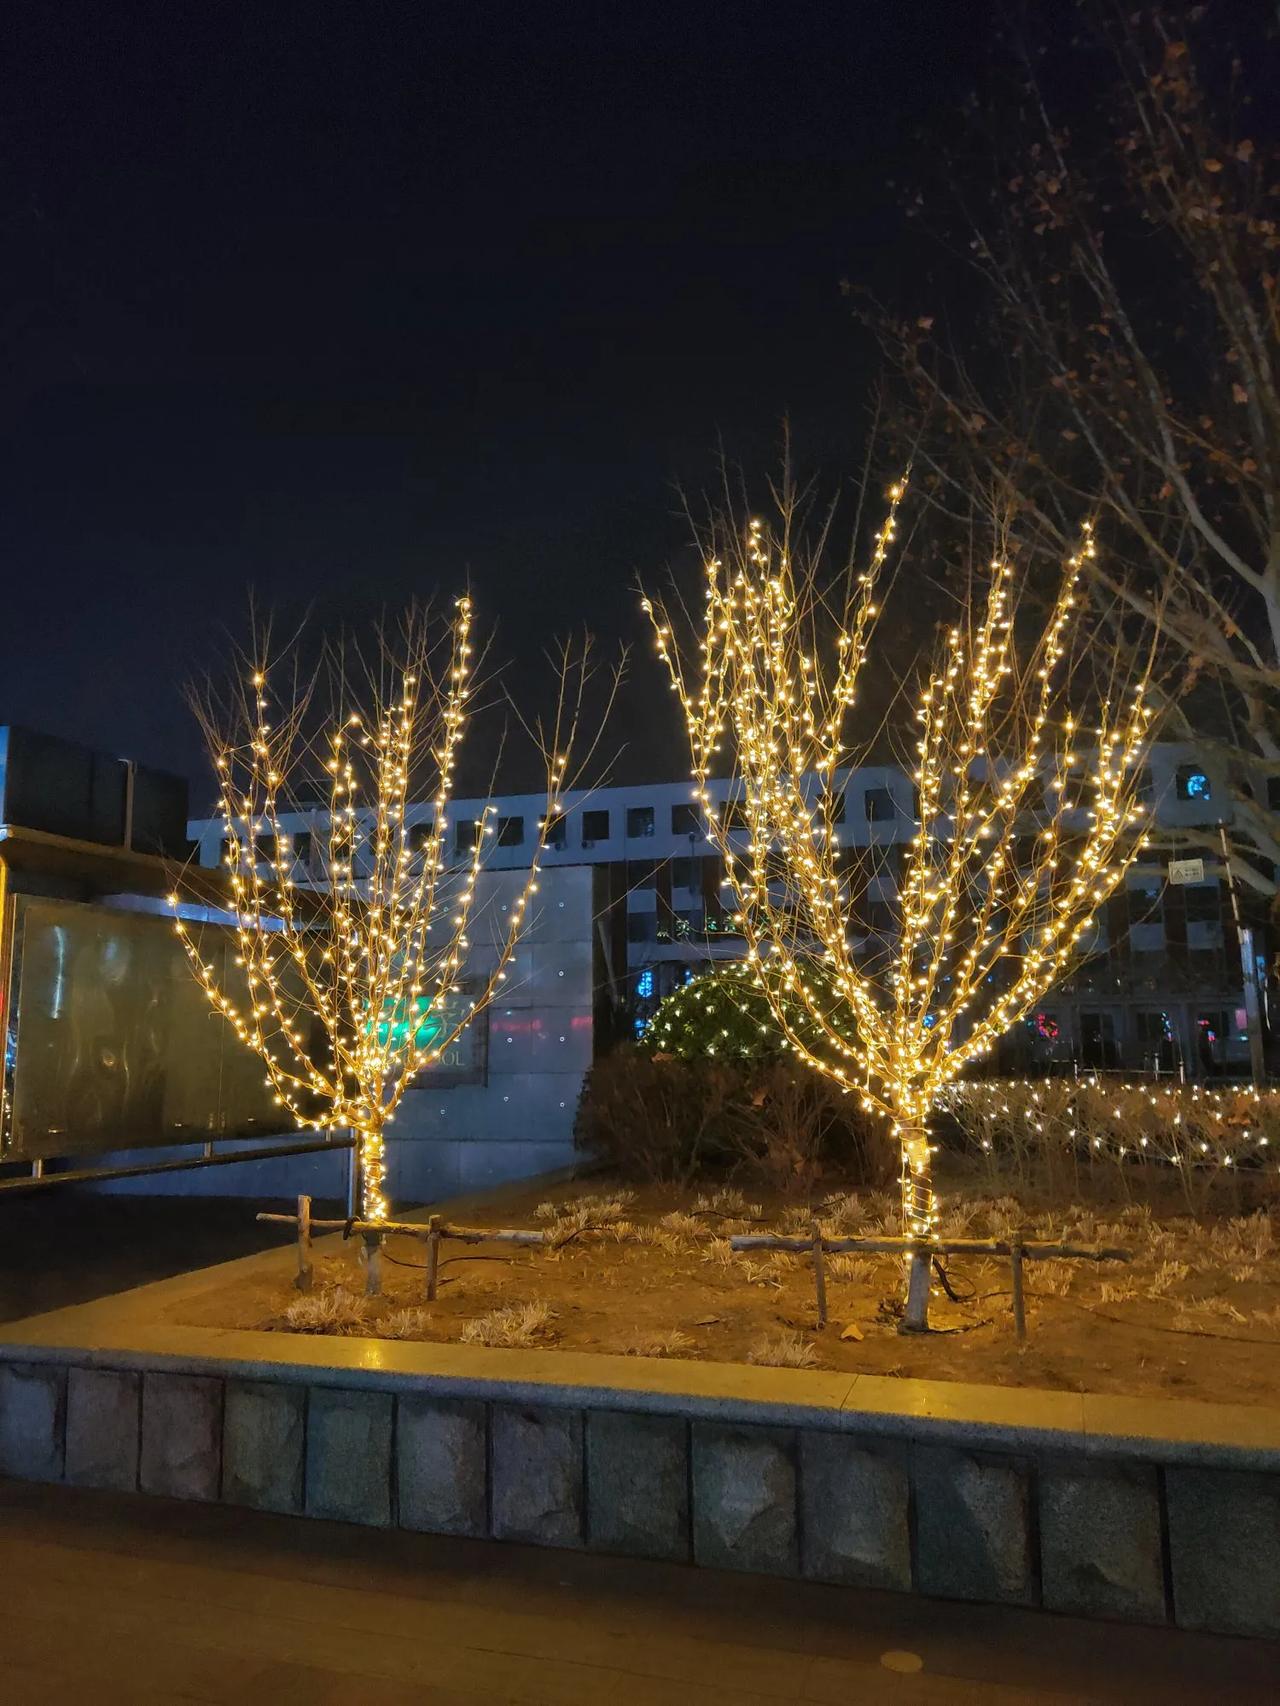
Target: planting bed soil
{"type": "Point", "coordinates": [650, 1272]}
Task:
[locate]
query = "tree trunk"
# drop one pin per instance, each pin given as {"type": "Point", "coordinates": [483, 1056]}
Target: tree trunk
{"type": "Point", "coordinates": [917, 1222]}
{"type": "Point", "coordinates": [373, 1201]}
{"type": "Point", "coordinates": [915, 1317]}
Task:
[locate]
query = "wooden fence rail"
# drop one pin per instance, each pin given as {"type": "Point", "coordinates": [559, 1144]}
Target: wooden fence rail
{"type": "Point", "coordinates": [435, 1231]}
{"type": "Point", "coordinates": [1018, 1250]}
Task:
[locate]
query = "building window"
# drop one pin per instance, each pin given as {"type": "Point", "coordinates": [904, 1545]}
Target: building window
{"type": "Point", "coordinates": [1155, 1028]}
{"type": "Point", "coordinates": [466, 835]}
{"type": "Point", "coordinates": [423, 835]}
{"type": "Point", "coordinates": [1145, 896]}
{"type": "Point", "coordinates": [735, 814]}
{"type": "Point", "coordinates": [639, 822]}
{"type": "Point", "coordinates": [879, 806]}
{"type": "Point", "coordinates": [685, 874]}
{"type": "Point", "coordinates": [685, 820]}
{"type": "Point", "coordinates": [510, 832]}
{"type": "Point", "coordinates": [264, 848]}
{"type": "Point", "coordinates": [595, 827]}
{"type": "Point", "coordinates": [1193, 784]}
{"type": "Point", "coordinates": [302, 847]}
{"type": "Point", "coordinates": [1203, 903]}
{"type": "Point", "coordinates": [690, 923]}
{"type": "Point", "coordinates": [642, 926]}
{"type": "Point", "coordinates": [557, 832]}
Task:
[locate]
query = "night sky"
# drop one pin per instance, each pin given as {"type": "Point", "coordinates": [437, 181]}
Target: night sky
{"type": "Point", "coordinates": [349, 304]}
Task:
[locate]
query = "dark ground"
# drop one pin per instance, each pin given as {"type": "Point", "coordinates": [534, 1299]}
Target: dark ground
{"type": "Point", "coordinates": [125, 1601]}
{"type": "Point", "coordinates": [62, 1246]}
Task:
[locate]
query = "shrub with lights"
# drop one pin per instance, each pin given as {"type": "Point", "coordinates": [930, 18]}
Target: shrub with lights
{"type": "Point", "coordinates": [721, 1015]}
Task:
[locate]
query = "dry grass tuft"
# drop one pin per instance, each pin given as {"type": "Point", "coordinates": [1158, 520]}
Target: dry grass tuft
{"type": "Point", "coordinates": [682, 1225]}
{"type": "Point", "coordinates": [786, 1349]}
{"type": "Point", "coordinates": [336, 1311]}
{"type": "Point", "coordinates": [517, 1326]}
{"type": "Point", "coordinates": [724, 1201]}
{"type": "Point", "coordinates": [1052, 1279]}
{"type": "Point", "coordinates": [1220, 1307]}
{"type": "Point", "coordinates": [759, 1273]}
{"type": "Point", "coordinates": [841, 1267]}
{"type": "Point", "coordinates": [670, 1344]}
{"type": "Point", "coordinates": [566, 1222]}
{"type": "Point", "coordinates": [405, 1324]}
{"type": "Point", "coordinates": [1167, 1274]}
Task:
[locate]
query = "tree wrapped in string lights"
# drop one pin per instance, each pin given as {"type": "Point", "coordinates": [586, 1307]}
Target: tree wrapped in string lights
{"type": "Point", "coordinates": [1025, 819]}
{"type": "Point", "coordinates": [346, 985]}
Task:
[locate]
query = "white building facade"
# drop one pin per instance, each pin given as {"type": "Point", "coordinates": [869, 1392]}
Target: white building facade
{"type": "Point", "coordinates": [1161, 988]}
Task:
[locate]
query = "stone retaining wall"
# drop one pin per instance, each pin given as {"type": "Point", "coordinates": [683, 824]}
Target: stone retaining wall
{"type": "Point", "coordinates": [1133, 1536]}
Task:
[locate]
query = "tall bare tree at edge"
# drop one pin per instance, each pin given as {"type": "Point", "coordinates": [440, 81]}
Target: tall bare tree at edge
{"type": "Point", "coordinates": [1125, 351]}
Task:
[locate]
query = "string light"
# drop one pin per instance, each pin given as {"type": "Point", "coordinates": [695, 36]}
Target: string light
{"type": "Point", "coordinates": [1025, 822]}
{"type": "Point", "coordinates": [1185, 1126]}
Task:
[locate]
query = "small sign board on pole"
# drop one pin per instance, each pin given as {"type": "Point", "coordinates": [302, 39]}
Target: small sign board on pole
{"type": "Point", "coordinates": [1186, 870]}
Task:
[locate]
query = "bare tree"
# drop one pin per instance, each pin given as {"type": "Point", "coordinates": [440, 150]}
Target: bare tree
{"type": "Point", "coordinates": [1025, 816]}
{"type": "Point", "coordinates": [349, 983]}
{"type": "Point", "coordinates": [1131, 357]}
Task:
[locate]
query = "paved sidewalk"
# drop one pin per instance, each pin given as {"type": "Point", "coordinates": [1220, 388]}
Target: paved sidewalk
{"type": "Point", "coordinates": [66, 1245]}
{"type": "Point", "coordinates": [127, 1601]}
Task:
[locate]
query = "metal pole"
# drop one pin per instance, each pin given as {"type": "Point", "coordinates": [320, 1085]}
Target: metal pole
{"type": "Point", "coordinates": [433, 1256]}
{"type": "Point", "coordinates": [819, 1276]}
{"type": "Point", "coordinates": [40, 1178]}
{"type": "Point", "coordinates": [1019, 1307]}
{"type": "Point", "coordinates": [1248, 965]}
{"type": "Point", "coordinates": [353, 1178]}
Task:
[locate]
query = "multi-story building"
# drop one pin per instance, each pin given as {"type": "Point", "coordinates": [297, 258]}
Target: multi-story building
{"type": "Point", "coordinates": [1161, 985]}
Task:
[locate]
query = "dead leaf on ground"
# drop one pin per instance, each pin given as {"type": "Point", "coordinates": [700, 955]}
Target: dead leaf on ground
{"type": "Point", "coordinates": [852, 1331]}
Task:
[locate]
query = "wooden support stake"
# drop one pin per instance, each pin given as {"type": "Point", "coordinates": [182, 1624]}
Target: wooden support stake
{"type": "Point", "coordinates": [373, 1264]}
{"type": "Point", "coordinates": [433, 1256]}
{"type": "Point", "coordinates": [819, 1276]}
{"type": "Point", "coordinates": [915, 1317]}
{"type": "Point", "coordinates": [1019, 1306]}
{"type": "Point", "coordinates": [302, 1279]}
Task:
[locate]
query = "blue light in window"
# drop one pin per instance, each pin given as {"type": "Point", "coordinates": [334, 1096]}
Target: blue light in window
{"type": "Point", "coordinates": [1198, 786]}
{"type": "Point", "coordinates": [641, 1026]}
{"type": "Point", "coordinates": [644, 984]}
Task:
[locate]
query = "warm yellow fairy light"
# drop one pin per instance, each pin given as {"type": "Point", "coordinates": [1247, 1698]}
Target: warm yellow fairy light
{"type": "Point", "coordinates": [1009, 862]}
{"type": "Point", "coordinates": [367, 961]}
